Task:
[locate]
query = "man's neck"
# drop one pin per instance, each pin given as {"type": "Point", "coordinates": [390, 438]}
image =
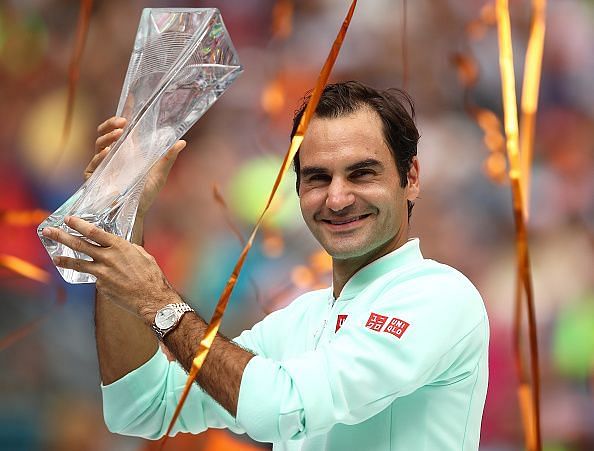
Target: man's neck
{"type": "Point", "coordinates": [344, 269]}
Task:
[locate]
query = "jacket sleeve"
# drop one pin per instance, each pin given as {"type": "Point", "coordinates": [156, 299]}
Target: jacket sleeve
{"type": "Point", "coordinates": [142, 402]}
{"type": "Point", "coordinates": [361, 371]}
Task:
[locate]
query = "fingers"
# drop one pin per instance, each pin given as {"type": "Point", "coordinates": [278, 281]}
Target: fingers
{"type": "Point", "coordinates": [73, 242]}
{"type": "Point", "coordinates": [96, 161]}
{"type": "Point", "coordinates": [92, 232]}
{"type": "Point", "coordinates": [86, 229]}
{"type": "Point", "coordinates": [173, 152]}
{"type": "Point", "coordinates": [111, 124]}
{"type": "Point", "coordinates": [109, 131]}
{"type": "Point", "coordinates": [164, 165]}
{"type": "Point", "coordinates": [108, 139]}
{"type": "Point", "coordinates": [75, 263]}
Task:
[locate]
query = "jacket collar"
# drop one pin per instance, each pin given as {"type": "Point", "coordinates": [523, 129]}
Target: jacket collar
{"type": "Point", "coordinates": [407, 254]}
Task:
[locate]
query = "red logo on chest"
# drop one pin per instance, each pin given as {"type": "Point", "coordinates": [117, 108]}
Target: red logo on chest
{"type": "Point", "coordinates": [376, 322]}
{"type": "Point", "coordinates": [395, 326]}
{"type": "Point", "coordinates": [340, 319]}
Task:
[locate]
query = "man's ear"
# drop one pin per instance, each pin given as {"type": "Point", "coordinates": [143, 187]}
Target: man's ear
{"type": "Point", "coordinates": [413, 188]}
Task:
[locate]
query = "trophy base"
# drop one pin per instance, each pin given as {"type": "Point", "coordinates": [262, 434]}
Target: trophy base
{"type": "Point", "coordinates": [55, 249]}
{"type": "Point", "coordinates": [118, 220]}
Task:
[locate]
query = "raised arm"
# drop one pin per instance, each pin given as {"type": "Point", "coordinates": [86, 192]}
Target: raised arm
{"type": "Point", "coordinates": [124, 342]}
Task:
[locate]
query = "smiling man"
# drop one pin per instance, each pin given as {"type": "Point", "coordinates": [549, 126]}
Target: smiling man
{"type": "Point", "coordinates": [392, 356]}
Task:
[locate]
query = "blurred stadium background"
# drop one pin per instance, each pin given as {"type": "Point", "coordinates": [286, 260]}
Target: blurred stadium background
{"type": "Point", "coordinates": [49, 383]}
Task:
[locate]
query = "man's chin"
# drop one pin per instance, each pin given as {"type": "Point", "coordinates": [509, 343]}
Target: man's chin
{"type": "Point", "coordinates": [345, 253]}
{"type": "Point", "coordinates": [357, 251]}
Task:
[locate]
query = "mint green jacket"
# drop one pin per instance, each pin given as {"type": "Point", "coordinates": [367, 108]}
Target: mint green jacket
{"type": "Point", "coordinates": [397, 362]}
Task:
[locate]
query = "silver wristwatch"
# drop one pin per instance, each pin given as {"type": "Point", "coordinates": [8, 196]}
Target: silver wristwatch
{"type": "Point", "coordinates": [168, 317]}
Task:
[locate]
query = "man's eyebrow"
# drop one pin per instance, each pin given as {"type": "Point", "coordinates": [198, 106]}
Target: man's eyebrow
{"type": "Point", "coordinates": [312, 170]}
{"type": "Point", "coordinates": [370, 162]}
{"type": "Point", "coordinates": [315, 170]}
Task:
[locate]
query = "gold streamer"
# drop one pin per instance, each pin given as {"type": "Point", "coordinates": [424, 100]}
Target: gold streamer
{"type": "Point", "coordinates": [506, 66]}
{"type": "Point", "coordinates": [530, 90]}
{"type": "Point", "coordinates": [528, 395]}
{"type": "Point", "coordinates": [296, 141]}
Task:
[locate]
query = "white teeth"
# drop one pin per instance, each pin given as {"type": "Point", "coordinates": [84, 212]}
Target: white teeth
{"type": "Point", "coordinates": [345, 222]}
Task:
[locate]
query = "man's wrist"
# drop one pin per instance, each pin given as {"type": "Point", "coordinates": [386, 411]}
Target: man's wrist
{"type": "Point", "coordinates": [149, 309]}
{"type": "Point", "coordinates": [169, 317]}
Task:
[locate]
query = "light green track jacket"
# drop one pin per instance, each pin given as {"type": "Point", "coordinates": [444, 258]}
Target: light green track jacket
{"type": "Point", "coordinates": [397, 362]}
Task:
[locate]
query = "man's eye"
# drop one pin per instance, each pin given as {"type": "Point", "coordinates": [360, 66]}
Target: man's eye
{"type": "Point", "coordinates": [319, 178]}
{"type": "Point", "coordinates": [362, 173]}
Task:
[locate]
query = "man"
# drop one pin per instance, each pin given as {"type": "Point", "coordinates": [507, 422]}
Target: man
{"type": "Point", "coordinates": [393, 356]}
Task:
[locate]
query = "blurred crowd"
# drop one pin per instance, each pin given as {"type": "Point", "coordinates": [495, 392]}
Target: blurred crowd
{"type": "Point", "coordinates": [49, 383]}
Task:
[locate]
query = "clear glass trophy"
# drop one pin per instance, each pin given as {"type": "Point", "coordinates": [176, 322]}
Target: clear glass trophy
{"type": "Point", "coordinates": [182, 62]}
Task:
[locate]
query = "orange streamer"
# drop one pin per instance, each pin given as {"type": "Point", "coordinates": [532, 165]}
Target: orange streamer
{"type": "Point", "coordinates": [468, 75]}
{"type": "Point", "coordinates": [24, 268]}
{"type": "Point", "coordinates": [530, 410]}
{"type": "Point", "coordinates": [524, 290]}
{"type": "Point", "coordinates": [404, 44]}
{"type": "Point", "coordinates": [215, 321]}
{"type": "Point", "coordinates": [20, 333]}
{"type": "Point", "coordinates": [220, 200]}
{"type": "Point", "coordinates": [29, 271]}
{"type": "Point", "coordinates": [23, 217]}
{"type": "Point", "coordinates": [82, 29]}
{"type": "Point", "coordinates": [467, 69]}
{"type": "Point", "coordinates": [282, 19]}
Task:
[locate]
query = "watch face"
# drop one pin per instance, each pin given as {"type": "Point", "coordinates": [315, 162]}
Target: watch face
{"type": "Point", "coordinates": [166, 318]}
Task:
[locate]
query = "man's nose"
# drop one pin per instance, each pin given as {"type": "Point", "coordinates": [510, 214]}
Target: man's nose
{"type": "Point", "coordinates": [340, 195]}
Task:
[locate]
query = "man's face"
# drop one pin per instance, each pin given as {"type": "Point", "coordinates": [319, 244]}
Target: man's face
{"type": "Point", "coordinates": [350, 192]}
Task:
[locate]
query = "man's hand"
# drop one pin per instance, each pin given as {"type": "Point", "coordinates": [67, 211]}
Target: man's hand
{"type": "Point", "coordinates": [130, 277]}
{"type": "Point", "coordinates": [126, 274]}
{"type": "Point", "coordinates": [109, 132]}
{"type": "Point", "coordinates": [127, 277]}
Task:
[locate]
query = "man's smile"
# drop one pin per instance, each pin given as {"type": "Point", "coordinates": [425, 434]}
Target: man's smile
{"type": "Point", "coordinates": [344, 223]}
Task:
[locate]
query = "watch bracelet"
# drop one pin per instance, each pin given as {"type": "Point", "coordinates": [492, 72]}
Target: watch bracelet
{"type": "Point", "coordinates": [180, 308]}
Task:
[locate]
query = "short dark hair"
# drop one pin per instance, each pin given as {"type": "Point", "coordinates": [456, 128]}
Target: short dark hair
{"type": "Point", "coordinates": [399, 129]}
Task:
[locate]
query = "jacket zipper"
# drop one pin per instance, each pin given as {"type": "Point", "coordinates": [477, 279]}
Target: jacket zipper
{"type": "Point", "coordinates": [320, 331]}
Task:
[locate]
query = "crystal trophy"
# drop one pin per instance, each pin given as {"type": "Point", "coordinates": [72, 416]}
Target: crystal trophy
{"type": "Point", "coordinates": [182, 62]}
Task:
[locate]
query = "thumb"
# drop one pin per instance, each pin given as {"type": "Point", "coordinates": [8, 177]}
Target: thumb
{"type": "Point", "coordinates": [171, 155]}
{"type": "Point", "coordinates": [160, 170]}
{"type": "Point", "coordinates": [176, 149]}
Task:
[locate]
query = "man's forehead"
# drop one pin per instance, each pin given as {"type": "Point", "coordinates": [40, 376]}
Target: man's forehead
{"type": "Point", "coordinates": [350, 138]}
